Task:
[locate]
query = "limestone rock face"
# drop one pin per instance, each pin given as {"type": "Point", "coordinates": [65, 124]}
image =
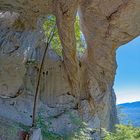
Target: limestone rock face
{"type": "Point", "coordinates": [36, 135]}
{"type": "Point", "coordinates": [67, 89]}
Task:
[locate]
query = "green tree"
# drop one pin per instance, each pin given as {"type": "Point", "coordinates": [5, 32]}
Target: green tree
{"type": "Point", "coordinates": [55, 44]}
{"type": "Point", "coordinates": [80, 41]}
{"type": "Point", "coordinates": [124, 132]}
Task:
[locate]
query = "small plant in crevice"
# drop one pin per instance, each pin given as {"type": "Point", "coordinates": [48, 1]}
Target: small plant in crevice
{"type": "Point", "coordinates": [82, 132]}
{"type": "Point", "coordinates": [44, 126]}
{"type": "Point", "coordinates": [25, 128]}
{"type": "Point", "coordinates": [15, 131]}
{"type": "Point", "coordinates": [11, 131]}
{"type": "Point", "coordinates": [31, 62]}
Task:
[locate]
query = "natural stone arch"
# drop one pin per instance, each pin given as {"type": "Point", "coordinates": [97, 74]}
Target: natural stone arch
{"type": "Point", "coordinates": [105, 24]}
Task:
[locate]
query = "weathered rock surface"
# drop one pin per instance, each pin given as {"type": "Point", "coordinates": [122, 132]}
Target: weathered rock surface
{"type": "Point", "coordinates": [35, 134]}
{"type": "Point", "coordinates": [106, 25]}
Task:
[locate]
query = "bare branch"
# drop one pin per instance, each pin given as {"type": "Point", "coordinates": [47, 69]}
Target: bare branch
{"type": "Point", "coordinates": [39, 75]}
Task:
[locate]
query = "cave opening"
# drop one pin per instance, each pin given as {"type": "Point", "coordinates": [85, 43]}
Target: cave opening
{"type": "Point", "coordinates": [127, 81]}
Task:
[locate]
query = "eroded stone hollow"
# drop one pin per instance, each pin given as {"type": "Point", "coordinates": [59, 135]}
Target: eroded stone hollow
{"type": "Point", "coordinates": [106, 24]}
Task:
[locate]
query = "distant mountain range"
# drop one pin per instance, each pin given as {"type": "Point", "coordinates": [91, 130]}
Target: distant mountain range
{"type": "Point", "coordinates": [129, 113]}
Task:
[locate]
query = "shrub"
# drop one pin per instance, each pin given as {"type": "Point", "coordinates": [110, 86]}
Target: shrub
{"type": "Point", "coordinates": [124, 132]}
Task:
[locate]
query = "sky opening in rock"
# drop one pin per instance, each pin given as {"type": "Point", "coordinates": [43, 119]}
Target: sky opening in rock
{"type": "Point", "coordinates": [127, 80]}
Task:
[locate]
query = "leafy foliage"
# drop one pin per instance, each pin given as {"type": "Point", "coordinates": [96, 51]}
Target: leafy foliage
{"type": "Point", "coordinates": [83, 131]}
{"type": "Point", "coordinates": [56, 43]}
{"type": "Point", "coordinates": [48, 25]}
{"type": "Point", "coordinates": [41, 123]}
{"type": "Point", "coordinates": [124, 132]}
{"type": "Point", "coordinates": [80, 41]}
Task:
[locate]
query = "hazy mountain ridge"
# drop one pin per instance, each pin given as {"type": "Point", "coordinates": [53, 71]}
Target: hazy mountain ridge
{"type": "Point", "coordinates": [129, 113]}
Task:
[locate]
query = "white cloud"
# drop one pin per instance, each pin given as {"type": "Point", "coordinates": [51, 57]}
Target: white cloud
{"type": "Point", "coordinates": [127, 95]}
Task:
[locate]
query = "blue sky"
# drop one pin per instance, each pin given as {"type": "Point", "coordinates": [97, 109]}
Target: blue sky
{"type": "Point", "coordinates": [127, 80]}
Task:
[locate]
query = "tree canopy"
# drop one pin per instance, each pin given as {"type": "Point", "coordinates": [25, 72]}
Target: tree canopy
{"type": "Point", "coordinates": [56, 43]}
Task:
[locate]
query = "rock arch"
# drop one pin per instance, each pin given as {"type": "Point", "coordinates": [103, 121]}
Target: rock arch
{"type": "Point", "coordinates": [106, 25]}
